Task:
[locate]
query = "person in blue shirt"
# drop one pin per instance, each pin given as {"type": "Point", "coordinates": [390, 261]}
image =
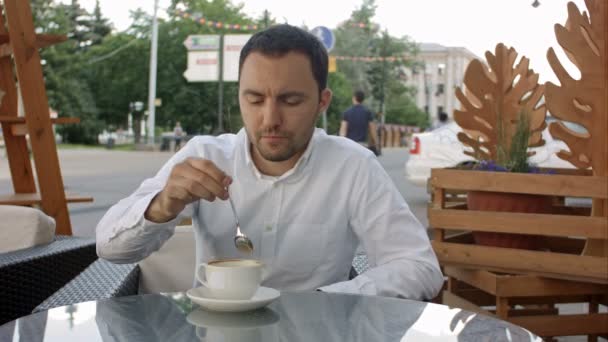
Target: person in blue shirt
{"type": "Point", "coordinates": [357, 121]}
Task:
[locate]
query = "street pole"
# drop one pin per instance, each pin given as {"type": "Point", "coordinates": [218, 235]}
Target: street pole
{"type": "Point", "coordinates": [152, 78]}
{"type": "Point", "coordinates": [385, 39]}
{"type": "Point", "coordinates": [220, 101]}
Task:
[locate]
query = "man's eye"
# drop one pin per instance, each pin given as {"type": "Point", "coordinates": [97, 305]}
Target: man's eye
{"type": "Point", "coordinates": [255, 99]}
{"type": "Point", "coordinates": [292, 101]}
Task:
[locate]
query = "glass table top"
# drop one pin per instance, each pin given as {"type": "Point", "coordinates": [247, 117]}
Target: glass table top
{"type": "Point", "coordinates": [306, 316]}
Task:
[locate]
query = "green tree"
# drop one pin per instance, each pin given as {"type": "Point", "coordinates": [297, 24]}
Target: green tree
{"type": "Point", "coordinates": [341, 100]}
{"type": "Point", "coordinates": [382, 79]}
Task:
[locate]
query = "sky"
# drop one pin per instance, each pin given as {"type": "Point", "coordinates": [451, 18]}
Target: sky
{"type": "Point", "coordinates": [477, 25]}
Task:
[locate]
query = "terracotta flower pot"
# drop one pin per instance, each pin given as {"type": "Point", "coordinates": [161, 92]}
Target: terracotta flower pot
{"type": "Point", "coordinates": [509, 202]}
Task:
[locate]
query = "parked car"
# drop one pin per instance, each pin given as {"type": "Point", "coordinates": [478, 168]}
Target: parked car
{"type": "Point", "coordinates": [441, 148]}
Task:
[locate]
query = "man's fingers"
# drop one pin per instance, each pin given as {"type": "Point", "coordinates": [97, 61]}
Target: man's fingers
{"type": "Point", "coordinates": [211, 170]}
{"type": "Point", "coordinates": [204, 180]}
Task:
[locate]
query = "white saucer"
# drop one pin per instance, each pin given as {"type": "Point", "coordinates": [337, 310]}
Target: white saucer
{"type": "Point", "coordinates": [233, 320]}
{"type": "Point", "coordinates": [263, 297]}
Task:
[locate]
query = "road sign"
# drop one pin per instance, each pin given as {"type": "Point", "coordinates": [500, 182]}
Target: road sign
{"type": "Point", "coordinates": [202, 42]}
{"type": "Point", "coordinates": [203, 66]}
{"type": "Point", "coordinates": [325, 35]}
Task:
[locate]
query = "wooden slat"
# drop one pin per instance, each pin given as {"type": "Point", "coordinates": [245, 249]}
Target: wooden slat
{"type": "Point", "coordinates": [20, 129]}
{"type": "Point", "coordinates": [566, 325]}
{"type": "Point", "coordinates": [542, 184]}
{"type": "Point", "coordinates": [34, 198]}
{"type": "Point", "coordinates": [525, 286]}
{"type": "Point", "coordinates": [42, 41]}
{"type": "Point", "coordinates": [438, 203]}
{"type": "Point", "coordinates": [35, 101]}
{"type": "Point", "coordinates": [522, 285]}
{"type": "Point", "coordinates": [553, 265]}
{"type": "Point", "coordinates": [16, 147]}
{"type": "Point", "coordinates": [455, 301]}
{"type": "Point", "coordinates": [22, 120]}
{"type": "Point", "coordinates": [482, 280]}
{"type": "Point", "coordinates": [520, 223]}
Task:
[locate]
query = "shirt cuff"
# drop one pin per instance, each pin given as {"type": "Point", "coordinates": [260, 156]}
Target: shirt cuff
{"type": "Point", "coordinates": [360, 285]}
{"type": "Point", "coordinates": [135, 219]}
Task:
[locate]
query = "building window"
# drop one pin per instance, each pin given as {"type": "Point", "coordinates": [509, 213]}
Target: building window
{"type": "Point", "coordinates": [440, 69]}
{"type": "Point", "coordinates": [440, 89]}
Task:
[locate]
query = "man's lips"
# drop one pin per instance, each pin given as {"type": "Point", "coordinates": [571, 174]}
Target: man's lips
{"type": "Point", "coordinates": [273, 137]}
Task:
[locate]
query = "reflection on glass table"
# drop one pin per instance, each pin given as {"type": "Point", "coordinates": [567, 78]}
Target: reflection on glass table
{"type": "Point", "coordinates": [306, 316]}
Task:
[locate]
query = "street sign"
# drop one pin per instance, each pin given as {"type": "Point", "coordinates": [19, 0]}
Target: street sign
{"type": "Point", "coordinates": [202, 42]}
{"type": "Point", "coordinates": [326, 36]}
{"type": "Point", "coordinates": [233, 44]}
{"type": "Point", "coordinates": [203, 66]}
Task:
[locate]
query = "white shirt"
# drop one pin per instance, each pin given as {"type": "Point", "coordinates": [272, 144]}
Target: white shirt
{"type": "Point", "coordinates": [305, 225]}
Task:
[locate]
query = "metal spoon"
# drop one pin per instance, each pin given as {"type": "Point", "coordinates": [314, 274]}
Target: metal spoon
{"type": "Point", "coordinates": [241, 241]}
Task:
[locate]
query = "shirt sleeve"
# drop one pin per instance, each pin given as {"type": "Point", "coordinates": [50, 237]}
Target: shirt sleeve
{"type": "Point", "coordinates": [124, 235]}
{"type": "Point", "coordinates": [402, 261]}
{"type": "Point", "coordinates": [345, 115]}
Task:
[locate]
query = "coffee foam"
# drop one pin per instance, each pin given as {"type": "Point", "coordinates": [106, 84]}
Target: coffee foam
{"type": "Point", "coordinates": [235, 263]}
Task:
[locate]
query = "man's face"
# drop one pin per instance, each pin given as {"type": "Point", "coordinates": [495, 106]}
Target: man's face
{"type": "Point", "coordinates": [280, 102]}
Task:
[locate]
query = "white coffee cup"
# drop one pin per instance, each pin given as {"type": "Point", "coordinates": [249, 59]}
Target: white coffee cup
{"type": "Point", "coordinates": [231, 278]}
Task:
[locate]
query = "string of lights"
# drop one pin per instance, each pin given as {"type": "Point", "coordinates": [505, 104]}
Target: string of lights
{"type": "Point", "coordinates": [370, 58]}
{"type": "Point", "coordinates": [216, 24]}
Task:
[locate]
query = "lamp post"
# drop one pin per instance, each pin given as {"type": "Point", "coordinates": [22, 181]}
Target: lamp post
{"type": "Point", "coordinates": [152, 78]}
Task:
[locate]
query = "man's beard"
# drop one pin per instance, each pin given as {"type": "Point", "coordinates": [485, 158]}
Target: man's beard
{"type": "Point", "coordinates": [288, 149]}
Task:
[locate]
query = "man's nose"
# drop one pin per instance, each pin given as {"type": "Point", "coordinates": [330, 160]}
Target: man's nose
{"type": "Point", "coordinates": [271, 115]}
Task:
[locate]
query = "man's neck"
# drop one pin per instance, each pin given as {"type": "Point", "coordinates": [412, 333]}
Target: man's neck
{"type": "Point", "coordinates": [272, 168]}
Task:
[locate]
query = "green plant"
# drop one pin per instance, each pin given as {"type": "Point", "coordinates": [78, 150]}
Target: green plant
{"type": "Point", "coordinates": [502, 115]}
{"type": "Point", "coordinates": [512, 154]}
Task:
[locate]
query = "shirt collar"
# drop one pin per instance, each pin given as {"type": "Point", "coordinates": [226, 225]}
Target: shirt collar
{"type": "Point", "coordinates": [244, 144]}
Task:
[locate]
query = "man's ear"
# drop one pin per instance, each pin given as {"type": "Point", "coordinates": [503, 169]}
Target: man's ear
{"type": "Point", "coordinates": [324, 100]}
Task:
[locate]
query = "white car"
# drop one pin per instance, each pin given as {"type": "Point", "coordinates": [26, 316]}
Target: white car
{"type": "Point", "coordinates": [441, 148]}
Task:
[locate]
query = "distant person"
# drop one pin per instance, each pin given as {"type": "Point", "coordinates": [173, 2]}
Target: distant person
{"type": "Point", "coordinates": [357, 121]}
{"type": "Point", "coordinates": [177, 134]}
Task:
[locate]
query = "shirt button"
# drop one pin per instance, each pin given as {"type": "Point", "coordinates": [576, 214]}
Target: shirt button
{"type": "Point", "coordinates": [268, 228]}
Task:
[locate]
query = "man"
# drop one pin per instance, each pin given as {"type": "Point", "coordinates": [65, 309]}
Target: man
{"type": "Point", "coordinates": [177, 134]}
{"type": "Point", "coordinates": [304, 198]}
{"type": "Point", "coordinates": [357, 121]}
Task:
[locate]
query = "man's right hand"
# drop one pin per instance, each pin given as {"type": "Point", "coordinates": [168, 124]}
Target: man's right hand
{"type": "Point", "coordinates": [189, 181]}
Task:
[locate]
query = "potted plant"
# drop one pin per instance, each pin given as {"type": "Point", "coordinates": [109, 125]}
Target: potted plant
{"type": "Point", "coordinates": [502, 118]}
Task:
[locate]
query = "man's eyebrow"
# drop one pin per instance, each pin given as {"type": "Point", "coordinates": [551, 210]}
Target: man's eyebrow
{"type": "Point", "coordinates": [292, 94]}
{"type": "Point", "coordinates": [252, 92]}
{"type": "Point", "coordinates": [281, 95]}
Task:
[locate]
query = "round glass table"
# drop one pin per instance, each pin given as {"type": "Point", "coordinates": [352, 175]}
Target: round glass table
{"type": "Point", "coordinates": [305, 316]}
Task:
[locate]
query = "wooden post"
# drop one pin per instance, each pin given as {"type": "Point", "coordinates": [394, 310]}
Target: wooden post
{"type": "Point", "coordinates": [29, 72]}
{"type": "Point", "coordinates": [16, 148]}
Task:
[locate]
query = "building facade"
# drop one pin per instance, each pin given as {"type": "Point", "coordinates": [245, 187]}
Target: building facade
{"type": "Point", "coordinates": [441, 71]}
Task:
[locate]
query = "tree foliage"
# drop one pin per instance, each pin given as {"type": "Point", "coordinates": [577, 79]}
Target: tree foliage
{"type": "Point", "coordinates": [99, 71]}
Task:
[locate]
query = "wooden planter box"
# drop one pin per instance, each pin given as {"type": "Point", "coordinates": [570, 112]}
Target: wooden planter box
{"type": "Point", "coordinates": [530, 301]}
{"type": "Point", "coordinates": [565, 231]}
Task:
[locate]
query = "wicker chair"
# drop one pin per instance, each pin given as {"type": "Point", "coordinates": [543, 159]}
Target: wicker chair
{"type": "Point", "coordinates": [29, 276]}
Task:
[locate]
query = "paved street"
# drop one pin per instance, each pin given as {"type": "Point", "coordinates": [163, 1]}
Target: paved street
{"type": "Point", "coordinates": [108, 176]}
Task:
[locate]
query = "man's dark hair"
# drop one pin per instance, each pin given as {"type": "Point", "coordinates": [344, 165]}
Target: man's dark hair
{"type": "Point", "coordinates": [278, 40]}
{"type": "Point", "coordinates": [359, 96]}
